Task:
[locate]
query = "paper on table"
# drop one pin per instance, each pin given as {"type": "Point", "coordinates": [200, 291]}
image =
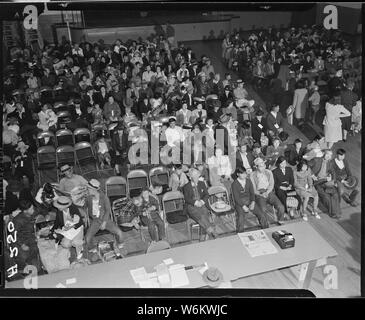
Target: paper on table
{"type": "Point", "coordinates": [71, 281]}
{"type": "Point", "coordinates": [168, 261]}
{"type": "Point", "coordinates": [205, 268]}
{"type": "Point", "coordinates": [139, 274]}
{"type": "Point", "coordinates": [151, 283]}
{"type": "Point", "coordinates": [257, 243]}
{"type": "Point", "coordinates": [60, 285]}
{"type": "Point", "coordinates": [178, 276]}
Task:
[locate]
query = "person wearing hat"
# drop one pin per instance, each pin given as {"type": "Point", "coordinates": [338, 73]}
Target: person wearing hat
{"type": "Point", "coordinates": [70, 179]}
{"type": "Point", "coordinates": [100, 214]}
{"type": "Point", "coordinates": [346, 182]}
{"type": "Point", "coordinates": [241, 95]}
{"type": "Point", "coordinates": [244, 200]}
{"type": "Point", "coordinates": [258, 125]}
{"type": "Point", "coordinates": [26, 242]}
{"type": "Point", "coordinates": [284, 185]}
{"type": "Point", "coordinates": [323, 177]}
{"type": "Point", "coordinates": [15, 192]}
{"type": "Point", "coordinates": [196, 200]}
{"type": "Point", "coordinates": [68, 221]}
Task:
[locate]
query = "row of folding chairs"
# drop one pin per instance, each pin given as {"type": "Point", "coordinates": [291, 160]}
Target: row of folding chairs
{"type": "Point", "coordinates": [82, 155]}
{"type": "Point", "coordinates": [119, 187]}
{"type": "Point", "coordinates": [63, 137]}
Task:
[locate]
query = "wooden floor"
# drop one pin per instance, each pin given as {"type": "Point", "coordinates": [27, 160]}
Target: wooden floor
{"type": "Point", "coordinates": [344, 234]}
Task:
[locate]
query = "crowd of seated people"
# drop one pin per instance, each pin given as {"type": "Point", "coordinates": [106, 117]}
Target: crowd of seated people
{"type": "Point", "coordinates": [119, 92]}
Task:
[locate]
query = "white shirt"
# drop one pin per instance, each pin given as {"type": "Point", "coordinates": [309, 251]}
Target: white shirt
{"type": "Point", "coordinates": [174, 136]}
{"type": "Point", "coordinates": [103, 148]}
{"type": "Point", "coordinates": [340, 163]}
{"type": "Point", "coordinates": [245, 162]}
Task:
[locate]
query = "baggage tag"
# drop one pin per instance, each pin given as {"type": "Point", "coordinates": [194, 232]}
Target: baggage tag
{"type": "Point", "coordinates": [21, 164]}
{"type": "Point", "coordinates": [276, 126]}
{"type": "Point", "coordinates": [260, 126]}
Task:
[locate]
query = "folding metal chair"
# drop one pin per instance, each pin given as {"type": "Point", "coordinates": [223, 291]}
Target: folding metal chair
{"type": "Point", "coordinates": [46, 159]}
{"type": "Point", "coordinates": [82, 134]}
{"type": "Point", "coordinates": [116, 188]}
{"type": "Point", "coordinates": [173, 203]}
{"type": "Point", "coordinates": [159, 176]}
{"type": "Point", "coordinates": [65, 155]}
{"type": "Point", "coordinates": [46, 138]}
{"type": "Point", "coordinates": [85, 155]}
{"type": "Point", "coordinates": [97, 132]}
{"type": "Point", "coordinates": [220, 193]}
{"type": "Point", "coordinates": [46, 95]}
{"type": "Point", "coordinates": [60, 106]}
{"type": "Point", "coordinates": [64, 137]}
{"type": "Point", "coordinates": [136, 180]}
{"type": "Point", "coordinates": [64, 118]}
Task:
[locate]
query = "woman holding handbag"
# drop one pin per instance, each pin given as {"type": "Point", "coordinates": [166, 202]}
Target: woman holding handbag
{"type": "Point", "coordinates": [303, 184]}
{"type": "Point", "coordinates": [284, 186]}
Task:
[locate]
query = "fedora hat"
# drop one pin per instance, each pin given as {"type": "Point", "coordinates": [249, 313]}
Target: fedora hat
{"type": "Point", "coordinates": [65, 168]}
{"type": "Point", "coordinates": [14, 186]}
{"type": "Point", "coordinates": [94, 184]}
{"type": "Point", "coordinates": [62, 202]}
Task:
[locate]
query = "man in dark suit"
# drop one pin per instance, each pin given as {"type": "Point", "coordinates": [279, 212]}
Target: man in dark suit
{"type": "Point", "coordinates": [295, 152]}
{"type": "Point", "coordinates": [258, 126]}
{"type": "Point", "coordinates": [323, 176]}
{"type": "Point", "coordinates": [189, 56]}
{"type": "Point", "coordinates": [275, 121]}
{"type": "Point", "coordinates": [244, 199]}
{"type": "Point", "coordinates": [196, 199]}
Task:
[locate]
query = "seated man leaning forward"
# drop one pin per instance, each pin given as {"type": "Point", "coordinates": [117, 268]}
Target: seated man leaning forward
{"type": "Point", "coordinates": [196, 198]}
{"type": "Point", "coordinates": [99, 212]}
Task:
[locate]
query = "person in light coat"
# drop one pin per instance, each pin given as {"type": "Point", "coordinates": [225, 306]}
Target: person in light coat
{"type": "Point", "coordinates": [332, 121]}
{"type": "Point", "coordinates": [300, 103]}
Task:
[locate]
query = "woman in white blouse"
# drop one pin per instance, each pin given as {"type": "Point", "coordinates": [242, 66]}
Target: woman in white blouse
{"type": "Point", "coordinates": [332, 121]}
{"type": "Point", "coordinates": [220, 169]}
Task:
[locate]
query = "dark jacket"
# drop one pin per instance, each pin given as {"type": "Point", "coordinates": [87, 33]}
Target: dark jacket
{"type": "Point", "coordinates": [60, 223]}
{"type": "Point", "coordinates": [338, 173]}
{"type": "Point", "coordinates": [189, 193]}
{"type": "Point", "coordinates": [280, 179]}
{"type": "Point", "coordinates": [239, 162]}
{"type": "Point", "coordinates": [316, 163]}
{"type": "Point", "coordinates": [24, 227]}
{"type": "Point", "coordinates": [293, 156]}
{"type": "Point", "coordinates": [243, 196]}
{"type": "Point", "coordinates": [271, 121]}
{"type": "Point", "coordinates": [256, 130]}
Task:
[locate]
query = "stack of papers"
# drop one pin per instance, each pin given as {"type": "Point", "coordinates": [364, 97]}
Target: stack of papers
{"type": "Point", "coordinates": [257, 243]}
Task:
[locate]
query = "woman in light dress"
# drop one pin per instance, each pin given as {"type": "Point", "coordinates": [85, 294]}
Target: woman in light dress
{"type": "Point", "coordinates": [332, 122]}
{"type": "Point", "coordinates": [300, 103]}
